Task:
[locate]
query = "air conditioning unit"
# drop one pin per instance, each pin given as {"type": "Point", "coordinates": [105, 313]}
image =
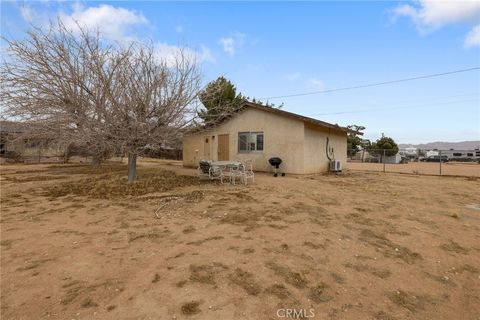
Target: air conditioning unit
{"type": "Point", "coordinates": [335, 166]}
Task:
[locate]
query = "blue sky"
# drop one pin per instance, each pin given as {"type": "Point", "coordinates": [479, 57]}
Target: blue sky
{"type": "Point", "coordinates": [279, 48]}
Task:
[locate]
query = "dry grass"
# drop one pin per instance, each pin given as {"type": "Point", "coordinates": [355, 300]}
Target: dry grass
{"type": "Point", "coordinates": [381, 273]}
{"type": "Point", "coordinates": [151, 235]}
{"type": "Point", "coordinates": [318, 295]}
{"type": "Point", "coordinates": [335, 243]}
{"type": "Point", "coordinates": [205, 273]}
{"type": "Point", "coordinates": [191, 308]}
{"type": "Point", "coordinates": [294, 278]}
{"type": "Point", "coordinates": [69, 169]}
{"type": "Point", "coordinates": [279, 291]}
{"type": "Point", "coordinates": [338, 278]}
{"type": "Point", "coordinates": [452, 246]}
{"type": "Point", "coordinates": [39, 178]}
{"type": "Point", "coordinates": [189, 229]}
{"type": "Point", "coordinates": [200, 242]}
{"type": "Point", "coordinates": [156, 278]}
{"type": "Point", "coordinates": [387, 247]}
{"type": "Point", "coordinates": [88, 303]}
{"type": "Point", "coordinates": [382, 315]}
{"type": "Point", "coordinates": [246, 280]}
{"type": "Point", "coordinates": [114, 185]}
{"type": "Point", "coordinates": [409, 300]}
{"type": "Point", "coordinates": [249, 220]}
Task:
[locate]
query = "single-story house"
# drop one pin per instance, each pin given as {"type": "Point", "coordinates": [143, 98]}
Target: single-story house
{"type": "Point", "coordinates": [18, 140]}
{"type": "Point", "coordinates": [258, 133]}
{"type": "Point", "coordinates": [364, 155]}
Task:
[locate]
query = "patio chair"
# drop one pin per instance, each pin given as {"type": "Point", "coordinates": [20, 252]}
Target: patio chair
{"type": "Point", "coordinates": [204, 168]}
{"type": "Point", "coordinates": [248, 171]}
{"type": "Point", "coordinates": [220, 173]}
{"type": "Point", "coordinates": [244, 172]}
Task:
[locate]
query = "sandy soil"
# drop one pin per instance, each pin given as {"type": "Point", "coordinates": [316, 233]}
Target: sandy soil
{"type": "Point", "coordinates": [466, 169]}
{"type": "Point", "coordinates": [350, 246]}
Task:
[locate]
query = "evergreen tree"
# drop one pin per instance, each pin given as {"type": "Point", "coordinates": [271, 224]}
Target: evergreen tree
{"type": "Point", "coordinates": [220, 99]}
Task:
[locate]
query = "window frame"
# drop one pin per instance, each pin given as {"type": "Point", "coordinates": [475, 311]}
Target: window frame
{"type": "Point", "coordinates": [249, 135]}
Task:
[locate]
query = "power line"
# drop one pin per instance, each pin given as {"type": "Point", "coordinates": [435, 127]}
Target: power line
{"type": "Point", "coordinates": [394, 108]}
{"type": "Point", "coordinates": [373, 84]}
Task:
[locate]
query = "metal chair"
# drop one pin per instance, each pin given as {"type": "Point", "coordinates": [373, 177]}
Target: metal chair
{"type": "Point", "coordinates": [204, 168]}
{"type": "Point", "coordinates": [220, 173]}
{"type": "Point", "coordinates": [248, 171]}
{"type": "Point", "coordinates": [244, 172]}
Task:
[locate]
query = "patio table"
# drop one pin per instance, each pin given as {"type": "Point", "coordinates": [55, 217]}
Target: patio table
{"type": "Point", "coordinates": [227, 164]}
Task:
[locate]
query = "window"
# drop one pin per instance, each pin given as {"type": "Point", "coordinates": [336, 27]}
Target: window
{"type": "Point", "coordinates": [250, 141]}
{"type": "Point", "coordinates": [469, 154]}
{"type": "Point", "coordinates": [457, 154]}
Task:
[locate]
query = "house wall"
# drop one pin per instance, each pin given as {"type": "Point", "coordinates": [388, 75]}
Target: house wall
{"type": "Point", "coordinates": [315, 148]}
{"type": "Point", "coordinates": [30, 148]}
{"type": "Point", "coordinates": [193, 149]}
{"type": "Point", "coordinates": [283, 137]}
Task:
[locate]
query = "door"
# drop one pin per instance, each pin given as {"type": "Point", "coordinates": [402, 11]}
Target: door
{"type": "Point", "coordinates": [206, 147]}
{"type": "Point", "coordinates": [223, 147]}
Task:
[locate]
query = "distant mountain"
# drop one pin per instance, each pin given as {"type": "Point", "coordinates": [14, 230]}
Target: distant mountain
{"type": "Point", "coordinates": [462, 145]}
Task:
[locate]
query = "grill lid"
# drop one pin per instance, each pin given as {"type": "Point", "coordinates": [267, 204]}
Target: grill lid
{"type": "Point", "coordinates": [275, 161]}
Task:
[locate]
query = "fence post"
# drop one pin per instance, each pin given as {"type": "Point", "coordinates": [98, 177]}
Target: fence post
{"type": "Point", "coordinates": [440, 155]}
{"type": "Point", "coordinates": [383, 160]}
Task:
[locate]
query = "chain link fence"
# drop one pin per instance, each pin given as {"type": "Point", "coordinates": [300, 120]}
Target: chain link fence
{"type": "Point", "coordinates": [416, 161]}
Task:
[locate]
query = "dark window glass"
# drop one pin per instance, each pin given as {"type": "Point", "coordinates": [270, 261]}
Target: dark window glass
{"type": "Point", "coordinates": [260, 142]}
{"type": "Point", "coordinates": [243, 141]}
{"type": "Point", "coordinates": [250, 141]}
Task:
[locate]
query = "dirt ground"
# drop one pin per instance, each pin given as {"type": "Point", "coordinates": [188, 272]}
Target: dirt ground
{"type": "Point", "coordinates": [466, 169]}
{"type": "Point", "coordinates": [77, 244]}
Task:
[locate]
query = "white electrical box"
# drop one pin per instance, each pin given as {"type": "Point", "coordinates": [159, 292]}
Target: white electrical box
{"type": "Point", "coordinates": [335, 166]}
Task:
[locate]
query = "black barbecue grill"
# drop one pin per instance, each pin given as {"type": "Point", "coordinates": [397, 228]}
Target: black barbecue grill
{"type": "Point", "coordinates": [276, 162]}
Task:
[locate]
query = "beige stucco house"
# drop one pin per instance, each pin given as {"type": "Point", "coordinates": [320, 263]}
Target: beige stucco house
{"type": "Point", "coordinates": [258, 133]}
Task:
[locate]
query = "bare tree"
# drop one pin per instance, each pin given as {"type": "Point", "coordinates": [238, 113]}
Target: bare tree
{"type": "Point", "coordinates": [76, 87]}
{"type": "Point", "coordinates": [52, 81]}
{"type": "Point", "coordinates": [156, 100]}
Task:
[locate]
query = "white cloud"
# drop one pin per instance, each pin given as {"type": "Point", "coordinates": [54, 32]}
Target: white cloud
{"type": "Point", "coordinates": [473, 38]}
{"type": "Point", "coordinates": [430, 15]}
{"type": "Point", "coordinates": [228, 45]}
{"type": "Point", "coordinates": [205, 54]}
{"type": "Point", "coordinates": [316, 84]}
{"type": "Point", "coordinates": [291, 76]}
{"type": "Point", "coordinates": [168, 53]}
{"type": "Point", "coordinates": [114, 23]}
{"type": "Point", "coordinates": [232, 43]}
{"type": "Point", "coordinates": [119, 24]}
{"type": "Point", "coordinates": [26, 13]}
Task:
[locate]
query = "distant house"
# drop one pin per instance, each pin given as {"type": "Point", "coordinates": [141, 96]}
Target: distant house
{"type": "Point", "coordinates": [258, 133]}
{"type": "Point", "coordinates": [457, 155]}
{"type": "Point", "coordinates": [18, 140]}
{"type": "Point", "coordinates": [365, 156]}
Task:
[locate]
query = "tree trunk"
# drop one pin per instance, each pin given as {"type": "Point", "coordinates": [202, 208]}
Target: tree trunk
{"type": "Point", "coordinates": [96, 160]}
{"type": "Point", "coordinates": [132, 167]}
{"type": "Point", "coordinates": [66, 154]}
